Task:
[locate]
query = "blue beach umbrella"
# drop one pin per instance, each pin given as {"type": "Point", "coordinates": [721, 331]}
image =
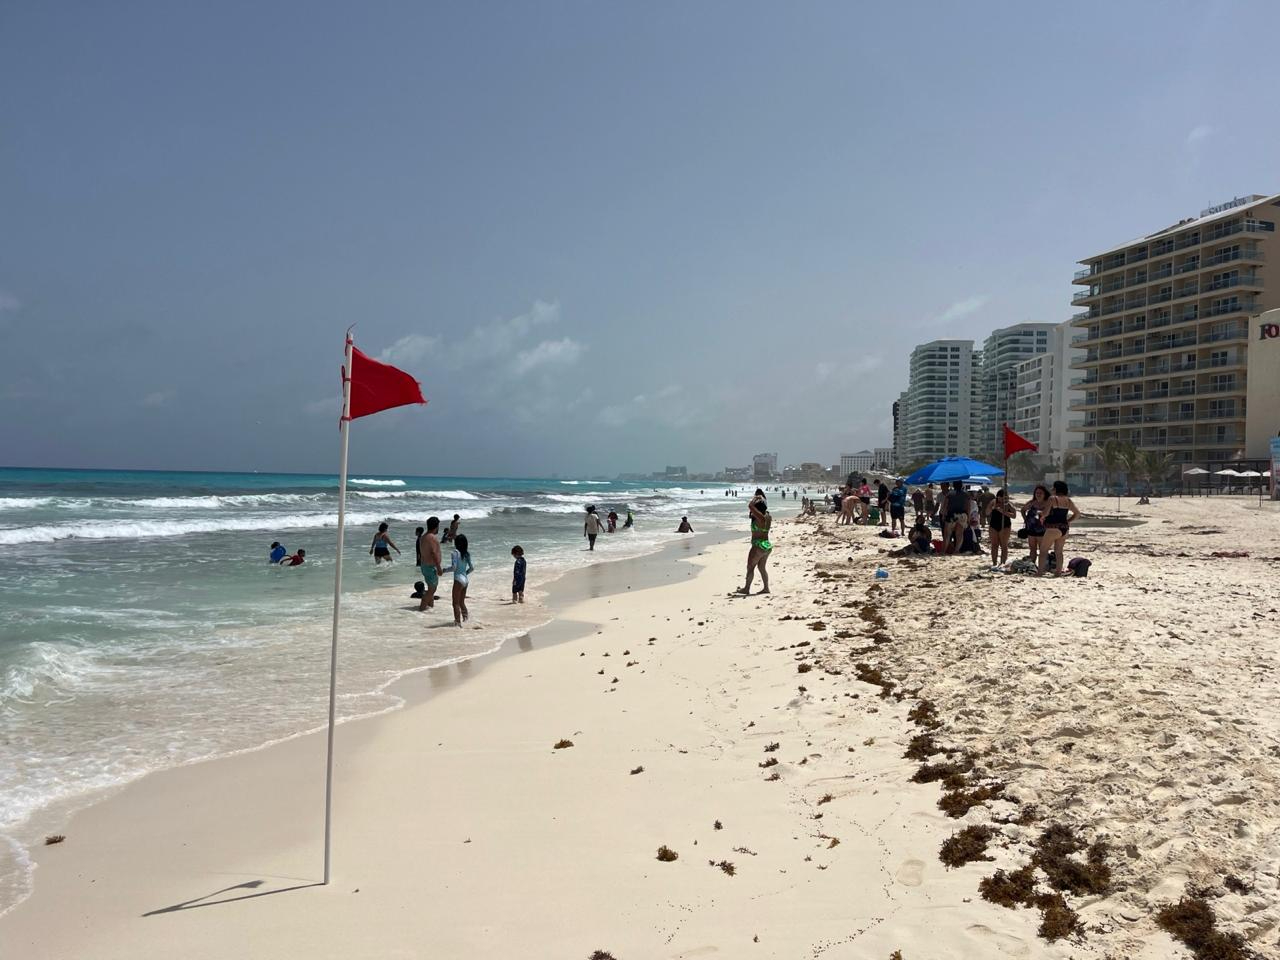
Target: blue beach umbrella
{"type": "Point", "coordinates": [952, 468]}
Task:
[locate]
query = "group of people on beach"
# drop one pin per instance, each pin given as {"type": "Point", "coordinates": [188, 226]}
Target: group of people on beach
{"type": "Point", "coordinates": [961, 512]}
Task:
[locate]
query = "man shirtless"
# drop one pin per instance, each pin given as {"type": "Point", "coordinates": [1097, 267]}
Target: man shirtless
{"type": "Point", "coordinates": [430, 563]}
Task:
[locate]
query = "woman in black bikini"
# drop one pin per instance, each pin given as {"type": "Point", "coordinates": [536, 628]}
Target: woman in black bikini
{"type": "Point", "coordinates": [1000, 514]}
{"type": "Point", "coordinates": [1062, 512]}
{"type": "Point", "coordinates": [1033, 516]}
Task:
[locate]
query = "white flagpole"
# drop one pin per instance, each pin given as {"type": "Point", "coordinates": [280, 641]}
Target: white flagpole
{"type": "Point", "coordinates": [345, 427]}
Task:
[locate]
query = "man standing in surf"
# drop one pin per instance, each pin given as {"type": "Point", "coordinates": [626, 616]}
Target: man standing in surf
{"type": "Point", "coordinates": [591, 529]}
{"type": "Point", "coordinates": [431, 562]}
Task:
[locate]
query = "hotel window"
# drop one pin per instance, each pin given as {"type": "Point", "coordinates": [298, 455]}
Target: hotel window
{"type": "Point", "coordinates": [1222, 408]}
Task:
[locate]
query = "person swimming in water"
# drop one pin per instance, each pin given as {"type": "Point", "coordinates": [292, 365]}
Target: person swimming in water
{"type": "Point", "coordinates": [297, 560]}
{"type": "Point", "coordinates": [278, 552]}
{"type": "Point", "coordinates": [684, 527]}
{"type": "Point", "coordinates": [453, 529]}
{"type": "Point", "coordinates": [382, 545]}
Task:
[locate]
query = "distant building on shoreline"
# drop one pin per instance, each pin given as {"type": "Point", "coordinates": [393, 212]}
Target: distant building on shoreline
{"type": "Point", "coordinates": [860, 462]}
{"type": "Point", "coordinates": [883, 458]}
{"type": "Point", "coordinates": [940, 413]}
{"type": "Point", "coordinates": [1044, 395]}
{"type": "Point", "coordinates": [1176, 356]}
{"type": "Point", "coordinates": [764, 466]}
{"type": "Point", "coordinates": [1002, 351]}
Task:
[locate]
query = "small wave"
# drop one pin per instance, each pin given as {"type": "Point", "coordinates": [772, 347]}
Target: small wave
{"type": "Point", "coordinates": [214, 502]}
{"type": "Point", "coordinates": [379, 483]}
{"type": "Point", "coordinates": [577, 483]}
{"type": "Point", "coordinates": [25, 503]}
{"type": "Point", "coordinates": [148, 529]}
{"type": "Point", "coordinates": [580, 500]}
{"type": "Point", "coordinates": [426, 494]}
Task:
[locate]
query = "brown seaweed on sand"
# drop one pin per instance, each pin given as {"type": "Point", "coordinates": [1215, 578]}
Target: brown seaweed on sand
{"type": "Point", "coordinates": [1191, 922]}
{"type": "Point", "coordinates": [1053, 855]}
{"type": "Point", "coordinates": [562, 744]}
{"type": "Point", "coordinates": [966, 846]}
{"type": "Point", "coordinates": [666, 854]}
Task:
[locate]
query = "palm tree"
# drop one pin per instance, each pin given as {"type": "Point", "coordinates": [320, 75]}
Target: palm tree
{"type": "Point", "coordinates": [1113, 453]}
{"type": "Point", "coordinates": [1154, 467]}
{"type": "Point", "coordinates": [1131, 459]}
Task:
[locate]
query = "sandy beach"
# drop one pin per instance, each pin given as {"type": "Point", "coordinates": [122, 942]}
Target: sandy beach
{"type": "Point", "coordinates": [763, 741]}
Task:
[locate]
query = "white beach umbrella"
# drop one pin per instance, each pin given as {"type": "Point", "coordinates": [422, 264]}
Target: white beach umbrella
{"type": "Point", "coordinates": [1248, 473]}
{"type": "Point", "coordinates": [1228, 472]}
{"type": "Point", "coordinates": [1199, 471]}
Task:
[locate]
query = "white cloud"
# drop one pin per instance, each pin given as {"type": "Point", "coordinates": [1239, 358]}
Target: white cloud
{"type": "Point", "coordinates": [667, 406]}
{"type": "Point", "coordinates": [962, 308]}
{"type": "Point", "coordinates": [415, 348]}
{"type": "Point", "coordinates": [500, 338]}
{"type": "Point", "coordinates": [159, 398]}
{"type": "Point", "coordinates": [1197, 134]}
{"type": "Point", "coordinates": [826, 370]}
{"type": "Point", "coordinates": [564, 352]}
{"type": "Point", "coordinates": [327, 406]}
{"type": "Point", "coordinates": [8, 302]}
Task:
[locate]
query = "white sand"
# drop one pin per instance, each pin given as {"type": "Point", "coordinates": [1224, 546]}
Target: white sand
{"type": "Point", "coordinates": [461, 833]}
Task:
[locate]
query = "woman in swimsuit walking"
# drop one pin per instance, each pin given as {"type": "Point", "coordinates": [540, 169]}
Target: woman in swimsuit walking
{"type": "Point", "coordinates": [1033, 512]}
{"type": "Point", "coordinates": [382, 545]}
{"type": "Point", "coordinates": [758, 555]}
{"type": "Point", "coordinates": [1000, 518]}
{"type": "Point", "coordinates": [1062, 512]}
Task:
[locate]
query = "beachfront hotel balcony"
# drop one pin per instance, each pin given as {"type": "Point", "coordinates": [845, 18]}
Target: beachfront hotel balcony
{"type": "Point", "coordinates": [1163, 345]}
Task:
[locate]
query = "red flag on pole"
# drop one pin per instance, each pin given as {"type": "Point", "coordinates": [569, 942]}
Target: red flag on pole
{"type": "Point", "coordinates": [377, 386]}
{"type": "Point", "coordinates": [368, 386]}
{"type": "Point", "coordinates": [1014, 442]}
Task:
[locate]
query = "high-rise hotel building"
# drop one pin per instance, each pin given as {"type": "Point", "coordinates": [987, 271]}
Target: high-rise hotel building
{"type": "Point", "coordinates": [940, 414]}
{"type": "Point", "coordinates": [1168, 330]}
{"type": "Point", "coordinates": [1002, 351]}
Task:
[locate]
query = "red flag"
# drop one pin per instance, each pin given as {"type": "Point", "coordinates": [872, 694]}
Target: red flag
{"type": "Point", "coordinates": [377, 386]}
{"type": "Point", "coordinates": [1013, 442]}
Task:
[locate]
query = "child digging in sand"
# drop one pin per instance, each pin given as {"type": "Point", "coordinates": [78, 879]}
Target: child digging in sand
{"type": "Point", "coordinates": [517, 577]}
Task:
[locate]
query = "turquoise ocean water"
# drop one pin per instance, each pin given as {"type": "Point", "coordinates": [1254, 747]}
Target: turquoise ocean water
{"type": "Point", "coordinates": [141, 627]}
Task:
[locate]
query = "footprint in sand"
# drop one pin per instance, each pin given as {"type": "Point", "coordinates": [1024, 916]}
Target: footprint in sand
{"type": "Point", "coordinates": [911, 873]}
{"type": "Point", "coordinates": [1008, 946]}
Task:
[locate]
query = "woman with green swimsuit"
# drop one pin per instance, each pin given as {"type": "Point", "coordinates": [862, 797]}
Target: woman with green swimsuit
{"type": "Point", "coordinates": [758, 556]}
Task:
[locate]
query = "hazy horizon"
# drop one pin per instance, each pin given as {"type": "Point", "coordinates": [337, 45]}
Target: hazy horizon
{"type": "Point", "coordinates": [605, 238]}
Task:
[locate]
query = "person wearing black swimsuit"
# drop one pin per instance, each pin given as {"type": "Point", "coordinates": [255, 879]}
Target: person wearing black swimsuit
{"type": "Point", "coordinates": [1033, 518]}
{"type": "Point", "coordinates": [955, 511]}
{"type": "Point", "coordinates": [1000, 513]}
{"type": "Point", "coordinates": [1062, 512]}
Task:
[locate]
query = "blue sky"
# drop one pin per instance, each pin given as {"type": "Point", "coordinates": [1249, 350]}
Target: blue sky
{"type": "Point", "coordinates": [606, 237]}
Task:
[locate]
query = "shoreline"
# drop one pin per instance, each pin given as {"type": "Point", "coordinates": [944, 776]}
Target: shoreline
{"type": "Point", "coordinates": [561, 591]}
{"type": "Point", "coordinates": [461, 831]}
{"type": "Point", "coordinates": [772, 742]}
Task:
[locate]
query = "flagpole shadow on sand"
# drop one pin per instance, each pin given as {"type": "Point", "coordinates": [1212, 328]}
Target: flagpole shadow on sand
{"type": "Point", "coordinates": [208, 901]}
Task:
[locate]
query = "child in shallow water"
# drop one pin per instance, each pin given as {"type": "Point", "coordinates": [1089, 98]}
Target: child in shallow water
{"type": "Point", "coordinates": [517, 575]}
{"type": "Point", "coordinates": [460, 564]}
